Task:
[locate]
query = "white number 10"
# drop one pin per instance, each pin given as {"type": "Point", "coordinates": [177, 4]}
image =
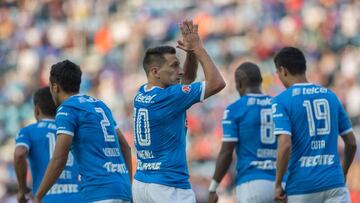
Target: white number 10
{"type": "Point", "coordinates": [52, 141]}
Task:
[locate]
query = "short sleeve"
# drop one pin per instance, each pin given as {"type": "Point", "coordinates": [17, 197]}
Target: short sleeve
{"type": "Point", "coordinates": [23, 139]}
{"type": "Point", "coordinates": [282, 124]}
{"type": "Point", "coordinates": [230, 127]}
{"type": "Point", "coordinates": [344, 122]}
{"type": "Point", "coordinates": [66, 121]}
{"type": "Point", "coordinates": [184, 96]}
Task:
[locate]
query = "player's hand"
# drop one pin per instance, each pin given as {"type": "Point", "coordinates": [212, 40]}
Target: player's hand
{"type": "Point", "coordinates": [213, 197]}
{"type": "Point", "coordinates": [190, 37]}
{"type": "Point", "coordinates": [37, 199]}
{"type": "Point", "coordinates": [280, 195]}
{"type": "Point", "coordinates": [21, 197]}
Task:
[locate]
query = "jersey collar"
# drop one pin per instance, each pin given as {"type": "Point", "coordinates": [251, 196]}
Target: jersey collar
{"type": "Point", "coordinates": [255, 94]}
{"type": "Point", "coordinates": [148, 90]}
{"type": "Point", "coordinates": [303, 84]}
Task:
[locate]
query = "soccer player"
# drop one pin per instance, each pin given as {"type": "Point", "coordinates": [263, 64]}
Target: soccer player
{"type": "Point", "coordinates": [160, 119]}
{"type": "Point", "coordinates": [248, 128]}
{"type": "Point", "coordinates": [308, 119]}
{"type": "Point", "coordinates": [87, 125]}
{"type": "Point", "coordinates": [37, 142]}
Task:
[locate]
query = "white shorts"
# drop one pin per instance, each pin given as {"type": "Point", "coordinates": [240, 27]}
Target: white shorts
{"type": "Point", "coordinates": [256, 191]}
{"type": "Point", "coordinates": [336, 195]}
{"type": "Point", "coordinates": [112, 201]}
{"type": "Point", "coordinates": [156, 193]}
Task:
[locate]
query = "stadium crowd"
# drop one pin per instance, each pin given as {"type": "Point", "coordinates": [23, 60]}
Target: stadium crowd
{"type": "Point", "coordinates": [108, 38]}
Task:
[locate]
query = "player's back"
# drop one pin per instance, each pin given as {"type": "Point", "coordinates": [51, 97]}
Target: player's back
{"type": "Point", "coordinates": [159, 117]}
{"type": "Point", "coordinates": [104, 174]}
{"type": "Point", "coordinates": [315, 119]}
{"type": "Point", "coordinates": [249, 122]}
{"type": "Point", "coordinates": [40, 140]}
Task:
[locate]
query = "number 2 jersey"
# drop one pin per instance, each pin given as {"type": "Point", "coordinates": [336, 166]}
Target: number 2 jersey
{"type": "Point", "coordinates": [95, 146]}
{"type": "Point", "coordinates": [314, 118]}
{"type": "Point", "coordinates": [160, 129]}
{"type": "Point", "coordinates": [248, 121]}
{"type": "Point", "coordinates": [39, 139]}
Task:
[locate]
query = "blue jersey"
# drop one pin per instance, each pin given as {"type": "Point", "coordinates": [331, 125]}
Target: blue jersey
{"type": "Point", "coordinates": [160, 130]}
{"type": "Point", "coordinates": [248, 121]}
{"type": "Point", "coordinates": [314, 117]}
{"type": "Point", "coordinates": [39, 138]}
{"type": "Point", "coordinates": [95, 146]}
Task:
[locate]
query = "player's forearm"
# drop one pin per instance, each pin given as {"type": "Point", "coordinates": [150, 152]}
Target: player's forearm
{"type": "Point", "coordinates": [190, 68]}
{"type": "Point", "coordinates": [282, 159]}
{"type": "Point", "coordinates": [222, 165]}
{"type": "Point", "coordinates": [349, 152]}
{"type": "Point", "coordinates": [213, 78]}
{"type": "Point", "coordinates": [52, 173]}
{"type": "Point", "coordinates": [20, 166]}
{"type": "Point", "coordinates": [126, 151]}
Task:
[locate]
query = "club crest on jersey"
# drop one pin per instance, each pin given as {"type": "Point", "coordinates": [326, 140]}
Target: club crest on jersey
{"type": "Point", "coordinates": [186, 89]}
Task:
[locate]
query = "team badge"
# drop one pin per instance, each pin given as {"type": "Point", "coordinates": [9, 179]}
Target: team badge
{"type": "Point", "coordinates": [186, 89]}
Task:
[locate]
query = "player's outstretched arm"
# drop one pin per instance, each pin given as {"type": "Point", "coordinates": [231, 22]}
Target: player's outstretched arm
{"type": "Point", "coordinates": [126, 151]}
{"type": "Point", "coordinates": [222, 165]}
{"type": "Point", "coordinates": [55, 166]}
{"type": "Point", "coordinates": [191, 42]}
{"type": "Point", "coordinates": [190, 68]}
{"type": "Point", "coordinates": [349, 151]}
{"type": "Point", "coordinates": [282, 159]}
{"type": "Point", "coordinates": [20, 166]}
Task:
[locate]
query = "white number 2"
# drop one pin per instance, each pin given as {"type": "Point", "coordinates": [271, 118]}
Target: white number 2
{"type": "Point", "coordinates": [322, 112]}
{"type": "Point", "coordinates": [52, 141]}
{"type": "Point", "coordinates": [267, 136]}
{"type": "Point", "coordinates": [105, 123]}
{"type": "Point", "coordinates": [142, 137]}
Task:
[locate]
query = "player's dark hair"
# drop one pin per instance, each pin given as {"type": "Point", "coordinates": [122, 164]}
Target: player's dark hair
{"type": "Point", "coordinates": [155, 56]}
{"type": "Point", "coordinates": [292, 59]}
{"type": "Point", "coordinates": [252, 72]}
{"type": "Point", "coordinates": [43, 99]}
{"type": "Point", "coordinates": [66, 74]}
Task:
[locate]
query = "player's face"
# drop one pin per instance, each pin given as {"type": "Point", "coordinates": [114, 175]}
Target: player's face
{"type": "Point", "coordinates": [54, 94]}
{"type": "Point", "coordinates": [281, 72]}
{"type": "Point", "coordinates": [170, 72]}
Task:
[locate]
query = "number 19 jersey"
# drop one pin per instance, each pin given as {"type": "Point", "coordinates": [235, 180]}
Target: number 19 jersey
{"type": "Point", "coordinates": [248, 121]}
{"type": "Point", "coordinates": [314, 117]}
{"type": "Point", "coordinates": [160, 129]}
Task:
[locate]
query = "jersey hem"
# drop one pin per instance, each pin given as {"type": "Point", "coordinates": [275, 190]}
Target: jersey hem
{"type": "Point", "coordinates": [317, 190]}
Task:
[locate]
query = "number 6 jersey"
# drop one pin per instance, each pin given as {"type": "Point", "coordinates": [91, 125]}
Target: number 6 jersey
{"type": "Point", "coordinates": [95, 146]}
{"type": "Point", "coordinates": [313, 116]}
{"type": "Point", "coordinates": [159, 131]}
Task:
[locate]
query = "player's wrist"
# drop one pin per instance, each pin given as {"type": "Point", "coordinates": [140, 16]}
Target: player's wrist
{"type": "Point", "coordinates": [213, 186]}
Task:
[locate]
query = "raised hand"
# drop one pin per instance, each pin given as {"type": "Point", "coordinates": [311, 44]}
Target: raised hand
{"type": "Point", "coordinates": [190, 37]}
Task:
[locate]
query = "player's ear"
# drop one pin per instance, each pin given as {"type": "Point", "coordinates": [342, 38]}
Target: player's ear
{"type": "Point", "coordinates": [37, 111]}
{"type": "Point", "coordinates": [155, 71]}
{"type": "Point", "coordinates": [285, 70]}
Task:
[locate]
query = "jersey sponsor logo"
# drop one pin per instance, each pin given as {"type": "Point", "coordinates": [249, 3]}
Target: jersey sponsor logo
{"type": "Point", "coordinates": [65, 174]}
{"type": "Point", "coordinates": [314, 90]}
{"type": "Point", "coordinates": [147, 99]}
{"type": "Point", "coordinates": [63, 189]}
{"type": "Point", "coordinates": [186, 89]}
{"type": "Point", "coordinates": [258, 101]}
{"type": "Point", "coordinates": [147, 166]}
{"type": "Point", "coordinates": [295, 92]}
{"type": "Point", "coordinates": [112, 168]}
{"type": "Point", "coordinates": [264, 165]}
{"type": "Point", "coordinates": [319, 160]}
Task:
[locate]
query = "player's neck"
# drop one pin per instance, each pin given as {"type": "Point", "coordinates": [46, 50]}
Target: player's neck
{"type": "Point", "coordinates": [253, 90]}
{"type": "Point", "coordinates": [66, 96]}
{"type": "Point", "coordinates": [298, 79]}
{"type": "Point", "coordinates": [152, 84]}
{"type": "Point", "coordinates": [44, 117]}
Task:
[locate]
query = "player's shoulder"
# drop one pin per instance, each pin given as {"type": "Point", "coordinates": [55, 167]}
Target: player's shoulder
{"type": "Point", "coordinates": [28, 128]}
